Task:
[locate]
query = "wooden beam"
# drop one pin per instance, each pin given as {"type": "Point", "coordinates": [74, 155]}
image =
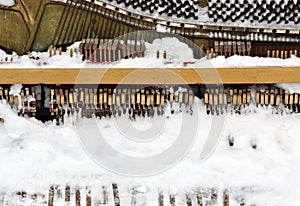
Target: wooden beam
{"type": "Point", "coordinates": [266, 75]}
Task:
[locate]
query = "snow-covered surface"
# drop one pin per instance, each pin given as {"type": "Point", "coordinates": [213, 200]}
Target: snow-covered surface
{"type": "Point", "coordinates": [7, 2]}
{"type": "Point", "coordinates": [291, 88]}
{"type": "Point", "coordinates": [178, 54]}
{"type": "Point", "coordinates": [242, 61]}
{"type": "Point", "coordinates": [34, 155]}
{"type": "Point", "coordinates": [203, 18]}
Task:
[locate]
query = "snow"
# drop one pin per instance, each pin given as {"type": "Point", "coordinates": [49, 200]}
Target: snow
{"type": "Point", "coordinates": [34, 155]}
{"type": "Point", "coordinates": [176, 58]}
{"type": "Point", "coordinates": [203, 18]}
{"type": "Point", "coordinates": [7, 2]}
{"type": "Point", "coordinates": [15, 89]}
{"type": "Point", "coordinates": [162, 29]}
{"type": "Point", "coordinates": [290, 88]}
{"type": "Point", "coordinates": [245, 61]}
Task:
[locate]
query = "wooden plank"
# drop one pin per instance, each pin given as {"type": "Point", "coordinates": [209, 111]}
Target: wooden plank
{"type": "Point", "coordinates": [269, 75]}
